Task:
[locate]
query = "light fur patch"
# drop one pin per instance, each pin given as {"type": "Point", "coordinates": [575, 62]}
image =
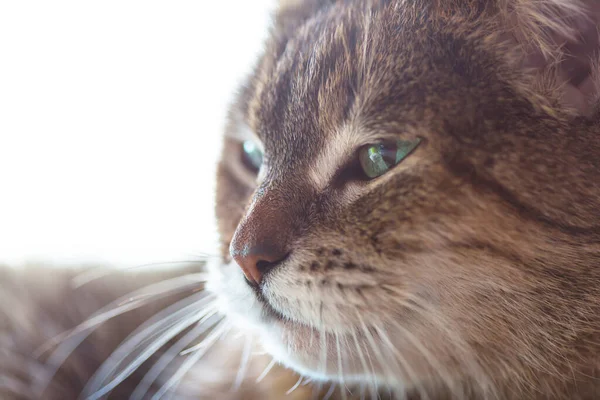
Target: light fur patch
{"type": "Point", "coordinates": [338, 149]}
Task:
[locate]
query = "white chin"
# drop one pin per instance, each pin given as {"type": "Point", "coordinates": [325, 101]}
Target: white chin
{"type": "Point", "coordinates": [237, 301]}
{"type": "Point", "coordinates": [295, 346]}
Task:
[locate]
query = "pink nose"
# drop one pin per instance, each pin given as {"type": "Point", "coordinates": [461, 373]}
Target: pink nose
{"type": "Point", "coordinates": [261, 239]}
{"type": "Point", "coordinates": [255, 258]}
{"type": "Point", "coordinates": [265, 235]}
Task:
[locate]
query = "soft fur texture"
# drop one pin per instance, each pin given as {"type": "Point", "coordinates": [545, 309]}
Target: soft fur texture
{"type": "Point", "coordinates": [470, 270]}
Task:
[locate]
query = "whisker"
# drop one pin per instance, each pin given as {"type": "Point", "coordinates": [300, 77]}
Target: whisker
{"type": "Point", "coordinates": [266, 371]}
{"type": "Point", "coordinates": [431, 359]}
{"type": "Point", "coordinates": [389, 372]}
{"type": "Point", "coordinates": [370, 373]}
{"type": "Point", "coordinates": [72, 340]}
{"type": "Point", "coordinates": [403, 364]}
{"type": "Point", "coordinates": [193, 359]}
{"type": "Point", "coordinates": [317, 390]}
{"type": "Point", "coordinates": [294, 387]}
{"type": "Point", "coordinates": [94, 274]}
{"type": "Point", "coordinates": [202, 345]}
{"type": "Point", "coordinates": [140, 359]}
{"type": "Point", "coordinates": [425, 311]}
{"type": "Point", "coordinates": [133, 300]}
{"type": "Point", "coordinates": [238, 335]}
{"type": "Point", "coordinates": [362, 391]}
{"type": "Point", "coordinates": [144, 386]}
{"type": "Point", "coordinates": [340, 369]}
{"type": "Point", "coordinates": [322, 359]}
{"type": "Point", "coordinates": [158, 331]}
{"type": "Point", "coordinates": [243, 363]}
{"type": "Point", "coordinates": [205, 256]}
{"type": "Point", "coordinates": [330, 391]}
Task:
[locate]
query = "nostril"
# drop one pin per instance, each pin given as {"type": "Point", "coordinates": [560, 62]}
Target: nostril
{"type": "Point", "coordinates": [255, 260]}
{"type": "Point", "coordinates": [264, 266]}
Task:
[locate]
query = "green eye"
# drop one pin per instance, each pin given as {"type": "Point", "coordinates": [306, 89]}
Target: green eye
{"type": "Point", "coordinates": [376, 159]}
{"type": "Point", "coordinates": [252, 155]}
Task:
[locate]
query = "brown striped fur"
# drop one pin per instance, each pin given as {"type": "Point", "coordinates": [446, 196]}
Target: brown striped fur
{"type": "Point", "coordinates": [469, 271]}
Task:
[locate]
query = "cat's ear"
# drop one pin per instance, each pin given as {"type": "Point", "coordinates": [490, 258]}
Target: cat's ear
{"type": "Point", "coordinates": [557, 43]}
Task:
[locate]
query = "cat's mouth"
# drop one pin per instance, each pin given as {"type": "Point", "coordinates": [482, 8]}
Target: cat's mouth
{"type": "Point", "coordinates": [268, 309]}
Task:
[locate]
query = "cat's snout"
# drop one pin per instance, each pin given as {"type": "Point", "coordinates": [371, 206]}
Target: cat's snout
{"type": "Point", "coordinates": [260, 242]}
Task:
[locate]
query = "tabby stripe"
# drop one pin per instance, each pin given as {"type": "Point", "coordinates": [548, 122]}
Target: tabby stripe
{"type": "Point", "coordinates": [466, 171]}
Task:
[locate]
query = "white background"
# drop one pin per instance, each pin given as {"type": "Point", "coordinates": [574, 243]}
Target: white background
{"type": "Point", "coordinates": [110, 120]}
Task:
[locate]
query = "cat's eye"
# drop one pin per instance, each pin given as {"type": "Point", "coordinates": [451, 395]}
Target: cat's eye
{"type": "Point", "coordinates": [378, 158]}
{"type": "Point", "coordinates": [252, 155]}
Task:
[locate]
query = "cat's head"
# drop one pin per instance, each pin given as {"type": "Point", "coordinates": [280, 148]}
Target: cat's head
{"type": "Point", "coordinates": [409, 190]}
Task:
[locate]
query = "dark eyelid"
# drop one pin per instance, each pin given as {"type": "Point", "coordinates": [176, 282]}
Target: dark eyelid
{"type": "Point", "coordinates": [387, 138]}
{"type": "Point", "coordinates": [349, 171]}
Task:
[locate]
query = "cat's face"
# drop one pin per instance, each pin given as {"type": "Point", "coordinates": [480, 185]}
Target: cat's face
{"type": "Point", "coordinates": [436, 266]}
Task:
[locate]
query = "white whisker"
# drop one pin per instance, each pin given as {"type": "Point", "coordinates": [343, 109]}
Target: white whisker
{"type": "Point", "coordinates": [330, 391]}
{"type": "Point", "coordinates": [192, 359]}
{"type": "Point", "coordinates": [369, 372]}
{"type": "Point", "coordinates": [144, 386]}
{"type": "Point", "coordinates": [243, 363]}
{"type": "Point", "coordinates": [340, 368]}
{"type": "Point", "coordinates": [389, 372]}
{"type": "Point", "coordinates": [97, 273]}
{"type": "Point", "coordinates": [202, 345]}
{"type": "Point", "coordinates": [132, 300]}
{"type": "Point", "coordinates": [467, 354]}
{"type": "Point", "coordinates": [322, 360]}
{"type": "Point", "coordinates": [157, 331]}
{"type": "Point", "coordinates": [362, 391]}
{"type": "Point", "coordinates": [238, 335]}
{"type": "Point", "coordinates": [141, 358]}
{"type": "Point", "coordinates": [432, 360]}
{"type": "Point", "coordinates": [74, 338]}
{"type": "Point", "coordinates": [401, 361]}
{"type": "Point", "coordinates": [294, 387]}
{"type": "Point", "coordinates": [266, 371]}
{"type": "Point", "coordinates": [316, 390]}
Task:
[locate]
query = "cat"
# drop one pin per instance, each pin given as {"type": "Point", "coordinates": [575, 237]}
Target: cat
{"type": "Point", "coordinates": [408, 206]}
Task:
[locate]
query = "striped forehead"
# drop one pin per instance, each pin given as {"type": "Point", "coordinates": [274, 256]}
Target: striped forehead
{"type": "Point", "coordinates": [308, 92]}
{"type": "Point", "coordinates": [304, 89]}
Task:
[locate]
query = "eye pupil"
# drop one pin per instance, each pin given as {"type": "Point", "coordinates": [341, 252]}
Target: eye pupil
{"type": "Point", "coordinates": [252, 155]}
{"type": "Point", "coordinates": [377, 162]}
{"type": "Point", "coordinates": [377, 159]}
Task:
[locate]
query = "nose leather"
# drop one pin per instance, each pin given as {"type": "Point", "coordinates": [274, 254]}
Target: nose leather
{"type": "Point", "coordinates": [257, 259]}
{"type": "Point", "coordinates": [261, 240]}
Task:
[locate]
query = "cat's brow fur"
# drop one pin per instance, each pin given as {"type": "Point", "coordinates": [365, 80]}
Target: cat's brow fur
{"type": "Point", "coordinates": [471, 270]}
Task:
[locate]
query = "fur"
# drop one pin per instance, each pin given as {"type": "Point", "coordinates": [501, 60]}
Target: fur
{"type": "Point", "coordinates": [471, 270]}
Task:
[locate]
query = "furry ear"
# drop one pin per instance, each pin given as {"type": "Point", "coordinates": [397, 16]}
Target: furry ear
{"type": "Point", "coordinates": [558, 43]}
